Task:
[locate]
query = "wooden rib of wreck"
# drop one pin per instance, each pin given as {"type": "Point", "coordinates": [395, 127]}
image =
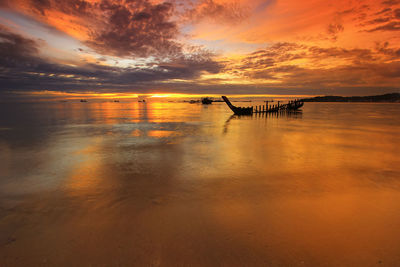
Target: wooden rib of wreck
{"type": "Point", "coordinates": [290, 106]}
{"type": "Point", "coordinates": [238, 110]}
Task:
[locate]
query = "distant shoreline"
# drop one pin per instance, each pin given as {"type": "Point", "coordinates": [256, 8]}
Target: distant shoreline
{"type": "Point", "coordinates": [386, 98]}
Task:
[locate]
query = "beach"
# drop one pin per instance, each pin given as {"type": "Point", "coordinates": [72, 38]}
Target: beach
{"type": "Point", "coordinates": [179, 184]}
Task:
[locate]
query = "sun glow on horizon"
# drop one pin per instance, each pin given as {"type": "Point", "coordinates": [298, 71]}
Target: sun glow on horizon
{"type": "Point", "coordinates": [57, 95]}
{"type": "Point", "coordinates": [190, 49]}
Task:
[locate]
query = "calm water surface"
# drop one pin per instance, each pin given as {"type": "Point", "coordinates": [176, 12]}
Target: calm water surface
{"type": "Point", "coordinates": [177, 184]}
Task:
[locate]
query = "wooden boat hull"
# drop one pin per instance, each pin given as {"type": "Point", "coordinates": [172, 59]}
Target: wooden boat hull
{"type": "Point", "coordinates": [291, 106]}
{"type": "Point", "coordinates": [238, 110]}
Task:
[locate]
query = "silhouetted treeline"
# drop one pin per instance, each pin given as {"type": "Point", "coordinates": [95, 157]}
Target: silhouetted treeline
{"type": "Point", "coordinates": [393, 97]}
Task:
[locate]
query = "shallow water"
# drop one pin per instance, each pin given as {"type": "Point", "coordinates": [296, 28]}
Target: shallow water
{"type": "Point", "coordinates": [178, 184]}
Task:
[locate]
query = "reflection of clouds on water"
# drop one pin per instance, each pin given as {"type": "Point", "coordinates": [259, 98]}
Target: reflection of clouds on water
{"type": "Point", "coordinates": [136, 133]}
{"type": "Point", "coordinates": [162, 175]}
{"type": "Point", "coordinates": [160, 133]}
{"type": "Point", "coordinates": [44, 144]}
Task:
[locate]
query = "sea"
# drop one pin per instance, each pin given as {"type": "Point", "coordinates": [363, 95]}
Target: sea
{"type": "Point", "coordinates": [160, 183]}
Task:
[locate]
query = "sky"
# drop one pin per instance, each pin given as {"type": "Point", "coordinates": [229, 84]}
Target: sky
{"type": "Point", "coordinates": [199, 47]}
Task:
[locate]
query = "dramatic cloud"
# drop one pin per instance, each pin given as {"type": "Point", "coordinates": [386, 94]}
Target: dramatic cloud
{"type": "Point", "coordinates": [391, 2]}
{"type": "Point", "coordinates": [334, 29]}
{"type": "Point", "coordinates": [114, 27]}
{"type": "Point", "coordinates": [135, 28]}
{"type": "Point", "coordinates": [14, 48]}
{"type": "Point", "coordinates": [23, 69]}
{"type": "Point", "coordinates": [278, 65]}
{"type": "Point", "coordinates": [141, 29]}
{"type": "Point", "coordinates": [218, 12]}
{"type": "Point", "coordinates": [391, 26]}
{"type": "Point", "coordinates": [385, 20]}
{"type": "Point", "coordinates": [210, 46]}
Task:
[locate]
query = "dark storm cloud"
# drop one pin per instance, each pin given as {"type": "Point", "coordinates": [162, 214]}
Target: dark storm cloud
{"type": "Point", "coordinates": [21, 68]}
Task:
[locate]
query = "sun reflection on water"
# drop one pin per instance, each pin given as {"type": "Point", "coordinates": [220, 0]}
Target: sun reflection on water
{"type": "Point", "coordinates": [190, 180]}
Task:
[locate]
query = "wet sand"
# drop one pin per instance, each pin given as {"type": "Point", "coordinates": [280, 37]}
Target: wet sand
{"type": "Point", "coordinates": [117, 184]}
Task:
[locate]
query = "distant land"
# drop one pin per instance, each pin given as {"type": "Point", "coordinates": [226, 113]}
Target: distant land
{"type": "Point", "coordinates": [388, 98]}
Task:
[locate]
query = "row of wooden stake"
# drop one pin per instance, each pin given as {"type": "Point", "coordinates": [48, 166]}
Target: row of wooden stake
{"type": "Point", "coordinates": [266, 108]}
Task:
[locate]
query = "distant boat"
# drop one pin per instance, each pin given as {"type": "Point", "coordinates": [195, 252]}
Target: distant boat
{"type": "Point", "coordinates": [116, 100]}
{"type": "Point", "coordinates": [206, 100]}
{"type": "Point", "coordinates": [142, 101]}
{"type": "Point", "coordinates": [83, 100]}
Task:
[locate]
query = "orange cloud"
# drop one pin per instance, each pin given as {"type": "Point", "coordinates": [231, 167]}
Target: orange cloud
{"type": "Point", "coordinates": [203, 45]}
